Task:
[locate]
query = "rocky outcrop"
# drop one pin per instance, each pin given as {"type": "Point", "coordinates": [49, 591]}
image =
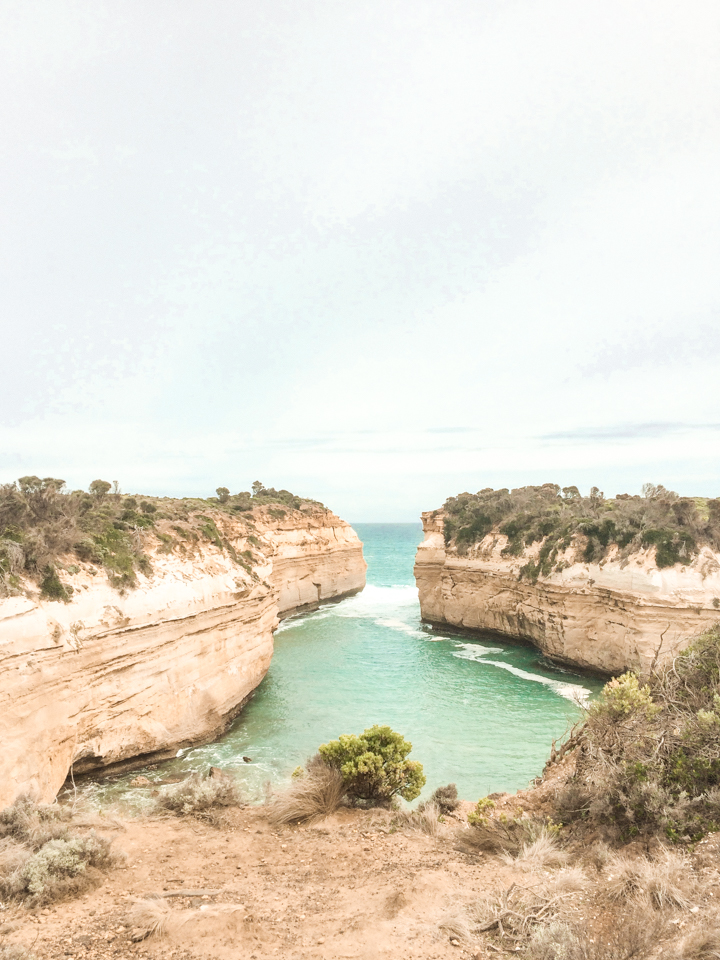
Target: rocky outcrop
{"type": "Point", "coordinates": [605, 617]}
{"type": "Point", "coordinates": [108, 678]}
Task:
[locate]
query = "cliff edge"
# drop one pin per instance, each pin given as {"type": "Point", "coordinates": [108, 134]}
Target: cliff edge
{"type": "Point", "coordinates": [109, 674]}
{"type": "Point", "coordinates": [616, 611]}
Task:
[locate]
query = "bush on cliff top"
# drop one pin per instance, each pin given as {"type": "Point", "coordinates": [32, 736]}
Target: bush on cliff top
{"type": "Point", "coordinates": [42, 523]}
{"type": "Point", "coordinates": [369, 769]}
{"type": "Point", "coordinates": [374, 765]}
{"type": "Point", "coordinates": [675, 526]}
{"type": "Point", "coordinates": [648, 753]}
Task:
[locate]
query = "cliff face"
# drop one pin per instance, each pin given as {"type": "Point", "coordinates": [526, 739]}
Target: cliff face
{"type": "Point", "coordinates": [606, 617]}
{"type": "Point", "coordinates": [312, 560]}
{"type": "Point", "coordinates": [107, 677]}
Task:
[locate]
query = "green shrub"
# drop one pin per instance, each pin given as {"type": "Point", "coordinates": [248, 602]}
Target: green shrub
{"type": "Point", "coordinates": [374, 765]}
{"type": "Point", "coordinates": [119, 557]}
{"type": "Point", "coordinates": [482, 808]}
{"type": "Point", "coordinates": [671, 546]}
{"type": "Point", "coordinates": [209, 528]}
{"type": "Point", "coordinates": [52, 588]}
{"type": "Point", "coordinates": [262, 494]}
{"type": "Point", "coordinates": [623, 697]}
{"type": "Point", "coordinates": [86, 549]}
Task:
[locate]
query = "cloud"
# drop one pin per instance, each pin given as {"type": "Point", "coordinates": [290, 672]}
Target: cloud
{"type": "Point", "coordinates": [631, 431]}
{"type": "Point", "coordinates": [357, 246]}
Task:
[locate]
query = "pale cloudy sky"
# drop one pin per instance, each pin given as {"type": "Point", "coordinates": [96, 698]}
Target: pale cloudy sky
{"type": "Point", "coordinates": [374, 251]}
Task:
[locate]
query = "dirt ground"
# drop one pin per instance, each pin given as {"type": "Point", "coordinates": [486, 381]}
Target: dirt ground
{"type": "Point", "coordinates": [346, 887]}
{"type": "Point", "coordinates": [350, 886]}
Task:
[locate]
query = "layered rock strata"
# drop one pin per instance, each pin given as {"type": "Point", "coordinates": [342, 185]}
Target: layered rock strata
{"type": "Point", "coordinates": [606, 617]}
{"type": "Point", "coordinates": [110, 678]}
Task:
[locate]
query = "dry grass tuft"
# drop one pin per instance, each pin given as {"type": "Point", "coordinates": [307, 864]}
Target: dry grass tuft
{"type": "Point", "coordinates": [633, 937]}
{"type": "Point", "coordinates": [34, 823]}
{"type": "Point", "coordinates": [457, 927]}
{"type": "Point", "coordinates": [426, 819]}
{"type": "Point", "coordinates": [538, 854]}
{"type": "Point", "coordinates": [316, 794]}
{"type": "Point", "coordinates": [556, 941]}
{"type": "Point", "coordinates": [149, 918]}
{"type": "Point", "coordinates": [664, 882]}
{"type": "Point", "coordinates": [501, 834]}
{"type": "Point", "coordinates": [702, 942]}
{"type": "Point", "coordinates": [516, 912]}
{"type": "Point", "coordinates": [13, 857]}
{"type": "Point", "coordinates": [200, 797]}
{"type": "Point", "coordinates": [598, 855]}
{"type": "Point", "coordinates": [566, 881]}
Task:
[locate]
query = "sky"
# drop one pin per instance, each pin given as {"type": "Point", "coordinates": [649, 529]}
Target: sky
{"type": "Point", "coordinates": [376, 252]}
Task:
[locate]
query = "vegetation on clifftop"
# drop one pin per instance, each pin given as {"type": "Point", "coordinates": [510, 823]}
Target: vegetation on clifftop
{"type": "Point", "coordinates": [44, 527]}
{"type": "Point", "coordinates": [648, 753]}
{"type": "Point", "coordinates": [559, 518]}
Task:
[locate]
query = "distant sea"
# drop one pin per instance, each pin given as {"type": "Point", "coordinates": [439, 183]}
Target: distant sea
{"type": "Point", "coordinates": [479, 713]}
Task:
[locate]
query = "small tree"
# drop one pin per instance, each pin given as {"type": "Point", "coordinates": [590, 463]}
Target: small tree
{"type": "Point", "coordinates": [100, 488]}
{"type": "Point", "coordinates": [374, 765]}
{"type": "Point", "coordinates": [257, 488]}
{"type": "Point", "coordinates": [223, 494]}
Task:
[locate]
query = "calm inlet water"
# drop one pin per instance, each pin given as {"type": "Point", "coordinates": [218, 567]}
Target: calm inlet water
{"type": "Point", "coordinates": [479, 713]}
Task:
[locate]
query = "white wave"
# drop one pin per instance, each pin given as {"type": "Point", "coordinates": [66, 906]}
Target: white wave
{"type": "Point", "coordinates": [293, 621]}
{"type": "Point", "coordinates": [473, 651]}
{"type": "Point", "coordinates": [401, 626]}
{"type": "Point", "coordinates": [376, 602]}
{"type": "Point", "coordinates": [571, 691]}
{"type": "Point", "coordinates": [388, 606]}
{"type": "Point", "coordinates": [372, 595]}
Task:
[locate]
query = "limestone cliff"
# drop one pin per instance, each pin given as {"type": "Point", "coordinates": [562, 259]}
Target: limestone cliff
{"type": "Point", "coordinates": [110, 677]}
{"type": "Point", "coordinates": [605, 616]}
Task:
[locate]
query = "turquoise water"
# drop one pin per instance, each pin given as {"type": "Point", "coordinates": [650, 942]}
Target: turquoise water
{"type": "Point", "coordinates": [479, 713]}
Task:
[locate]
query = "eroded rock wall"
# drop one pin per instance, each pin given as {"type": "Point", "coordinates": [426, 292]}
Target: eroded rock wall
{"type": "Point", "coordinates": [313, 559]}
{"type": "Point", "coordinates": [108, 677]}
{"type": "Point", "coordinates": [607, 617]}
